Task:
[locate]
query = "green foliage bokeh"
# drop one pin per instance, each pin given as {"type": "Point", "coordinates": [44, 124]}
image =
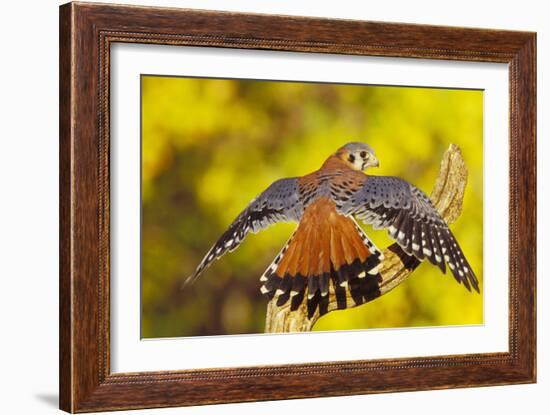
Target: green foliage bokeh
{"type": "Point", "coordinates": [210, 146]}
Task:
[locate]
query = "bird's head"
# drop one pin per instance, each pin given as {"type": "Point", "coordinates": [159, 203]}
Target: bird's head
{"type": "Point", "coordinates": [358, 156]}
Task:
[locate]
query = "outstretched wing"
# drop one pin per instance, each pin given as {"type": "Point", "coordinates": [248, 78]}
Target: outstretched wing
{"type": "Point", "coordinates": [280, 202]}
{"type": "Point", "coordinates": [412, 221]}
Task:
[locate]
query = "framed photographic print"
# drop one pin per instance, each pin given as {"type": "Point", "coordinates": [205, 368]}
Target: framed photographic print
{"type": "Point", "coordinates": [260, 207]}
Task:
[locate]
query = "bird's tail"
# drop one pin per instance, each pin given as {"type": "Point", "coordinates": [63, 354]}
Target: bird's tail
{"type": "Point", "coordinates": [328, 252]}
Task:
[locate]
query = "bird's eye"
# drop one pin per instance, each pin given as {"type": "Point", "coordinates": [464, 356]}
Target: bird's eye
{"type": "Point", "coordinates": [363, 154]}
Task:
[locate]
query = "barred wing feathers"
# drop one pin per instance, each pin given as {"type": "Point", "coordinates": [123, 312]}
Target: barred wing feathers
{"type": "Point", "coordinates": [412, 221]}
{"type": "Point", "coordinates": [280, 202]}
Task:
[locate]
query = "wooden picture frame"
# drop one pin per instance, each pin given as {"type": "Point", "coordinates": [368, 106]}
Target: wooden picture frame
{"type": "Point", "coordinates": [86, 33]}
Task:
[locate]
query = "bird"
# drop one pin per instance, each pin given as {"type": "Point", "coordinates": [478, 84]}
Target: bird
{"type": "Point", "coordinates": [328, 248]}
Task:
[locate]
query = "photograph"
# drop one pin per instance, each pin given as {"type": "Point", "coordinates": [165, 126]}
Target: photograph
{"type": "Point", "coordinates": [260, 195]}
{"type": "Point", "coordinates": [261, 203]}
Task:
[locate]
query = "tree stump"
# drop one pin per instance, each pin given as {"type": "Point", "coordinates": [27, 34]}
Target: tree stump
{"type": "Point", "coordinates": [447, 196]}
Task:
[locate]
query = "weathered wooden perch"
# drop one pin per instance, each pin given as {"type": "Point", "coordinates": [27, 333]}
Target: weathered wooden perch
{"type": "Point", "coordinates": [447, 196]}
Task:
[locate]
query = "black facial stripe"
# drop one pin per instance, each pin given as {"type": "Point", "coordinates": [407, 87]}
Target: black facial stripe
{"type": "Point", "coordinates": [351, 158]}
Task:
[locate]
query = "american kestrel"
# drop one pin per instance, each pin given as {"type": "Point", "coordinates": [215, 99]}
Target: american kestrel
{"type": "Point", "coordinates": [328, 248]}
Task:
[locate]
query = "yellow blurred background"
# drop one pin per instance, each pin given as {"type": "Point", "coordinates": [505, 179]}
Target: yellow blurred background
{"type": "Point", "coordinates": [210, 146]}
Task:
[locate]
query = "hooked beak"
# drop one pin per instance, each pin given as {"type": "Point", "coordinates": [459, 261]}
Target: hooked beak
{"type": "Point", "coordinates": [372, 162]}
